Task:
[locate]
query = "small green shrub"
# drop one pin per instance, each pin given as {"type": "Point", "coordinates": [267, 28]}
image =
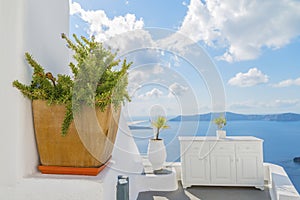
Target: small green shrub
{"type": "Point", "coordinates": [220, 122]}
{"type": "Point", "coordinates": [159, 123]}
{"type": "Point", "coordinates": [98, 79]}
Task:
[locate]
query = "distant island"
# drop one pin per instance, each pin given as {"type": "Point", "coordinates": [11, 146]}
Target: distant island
{"type": "Point", "coordinates": [239, 117]}
{"type": "Point", "coordinates": [133, 127]}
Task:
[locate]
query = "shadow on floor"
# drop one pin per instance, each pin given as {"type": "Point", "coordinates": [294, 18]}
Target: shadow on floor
{"type": "Point", "coordinates": [207, 193]}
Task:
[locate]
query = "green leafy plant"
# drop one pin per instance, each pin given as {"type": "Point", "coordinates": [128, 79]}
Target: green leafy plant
{"type": "Point", "coordinates": [159, 123]}
{"type": "Point", "coordinates": [99, 79]}
{"type": "Point", "coordinates": [220, 122]}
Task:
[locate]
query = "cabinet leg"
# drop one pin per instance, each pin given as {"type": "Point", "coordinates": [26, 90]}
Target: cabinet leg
{"type": "Point", "coordinates": [262, 188]}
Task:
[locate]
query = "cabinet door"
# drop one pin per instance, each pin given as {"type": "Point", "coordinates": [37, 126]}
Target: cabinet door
{"type": "Point", "coordinates": [249, 163]}
{"type": "Point", "coordinates": [223, 169]}
{"type": "Point", "coordinates": [196, 163]}
{"type": "Point", "coordinates": [197, 169]}
{"type": "Point", "coordinates": [249, 168]}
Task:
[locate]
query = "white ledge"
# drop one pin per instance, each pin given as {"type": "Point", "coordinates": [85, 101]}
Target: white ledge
{"type": "Point", "coordinates": [281, 186]}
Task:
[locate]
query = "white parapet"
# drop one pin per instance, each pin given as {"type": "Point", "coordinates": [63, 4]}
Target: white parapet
{"type": "Point", "coordinates": [34, 27]}
{"type": "Point", "coordinates": [163, 180]}
{"type": "Point", "coordinates": [281, 186]}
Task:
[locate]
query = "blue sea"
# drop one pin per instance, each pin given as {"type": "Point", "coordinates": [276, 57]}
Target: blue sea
{"type": "Point", "coordinates": [281, 140]}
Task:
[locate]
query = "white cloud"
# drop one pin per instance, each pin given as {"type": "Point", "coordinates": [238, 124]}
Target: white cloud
{"type": "Point", "coordinates": [277, 104]}
{"type": "Point", "coordinates": [177, 90]}
{"type": "Point", "coordinates": [103, 27]}
{"type": "Point", "coordinates": [137, 76]}
{"type": "Point", "coordinates": [158, 69]}
{"type": "Point", "coordinates": [197, 22]}
{"type": "Point", "coordinates": [144, 73]}
{"type": "Point", "coordinates": [124, 34]}
{"type": "Point", "coordinates": [250, 78]}
{"type": "Point", "coordinates": [148, 74]}
{"type": "Point", "coordinates": [242, 105]}
{"type": "Point", "coordinates": [175, 59]}
{"type": "Point", "coordinates": [284, 103]}
{"type": "Point", "coordinates": [136, 79]}
{"type": "Point", "coordinates": [154, 93]}
{"type": "Point", "coordinates": [287, 83]}
{"type": "Point", "coordinates": [243, 28]}
{"type": "Point", "coordinates": [75, 8]}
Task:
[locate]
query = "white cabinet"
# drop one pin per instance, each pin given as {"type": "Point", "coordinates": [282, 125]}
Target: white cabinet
{"type": "Point", "coordinates": [233, 161]}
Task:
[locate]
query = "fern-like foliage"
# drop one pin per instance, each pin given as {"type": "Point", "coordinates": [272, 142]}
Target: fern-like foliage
{"type": "Point", "coordinates": [94, 82]}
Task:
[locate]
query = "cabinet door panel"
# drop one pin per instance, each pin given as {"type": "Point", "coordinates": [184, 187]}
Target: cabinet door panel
{"type": "Point", "coordinates": [197, 169]}
{"type": "Point", "coordinates": [223, 168]}
{"type": "Point", "coordinates": [249, 168]}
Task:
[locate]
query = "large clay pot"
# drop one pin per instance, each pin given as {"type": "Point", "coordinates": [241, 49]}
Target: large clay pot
{"type": "Point", "coordinates": [157, 153]}
{"type": "Point", "coordinates": [88, 143]}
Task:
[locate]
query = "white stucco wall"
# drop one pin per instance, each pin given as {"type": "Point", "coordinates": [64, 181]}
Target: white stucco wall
{"type": "Point", "coordinates": [10, 51]}
{"type": "Point", "coordinates": [45, 21]}
{"type": "Point", "coordinates": [34, 26]}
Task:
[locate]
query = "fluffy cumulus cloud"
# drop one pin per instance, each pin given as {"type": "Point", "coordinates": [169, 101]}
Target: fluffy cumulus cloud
{"type": "Point", "coordinates": [145, 73]}
{"type": "Point", "coordinates": [154, 93]}
{"type": "Point", "coordinates": [287, 83]}
{"type": "Point", "coordinates": [103, 27]}
{"type": "Point", "coordinates": [242, 28]}
{"type": "Point", "coordinates": [250, 78]}
{"type": "Point", "coordinates": [122, 33]}
{"type": "Point", "coordinates": [177, 89]}
{"type": "Point", "coordinates": [137, 76]}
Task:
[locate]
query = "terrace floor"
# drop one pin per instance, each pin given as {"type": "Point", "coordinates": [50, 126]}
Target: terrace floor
{"type": "Point", "coordinates": [208, 193]}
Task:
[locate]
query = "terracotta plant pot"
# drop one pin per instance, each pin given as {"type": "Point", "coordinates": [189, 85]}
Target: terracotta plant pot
{"type": "Point", "coordinates": [88, 143]}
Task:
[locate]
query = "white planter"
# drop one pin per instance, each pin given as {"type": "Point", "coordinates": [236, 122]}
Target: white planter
{"type": "Point", "coordinates": [157, 154]}
{"type": "Point", "coordinates": [221, 134]}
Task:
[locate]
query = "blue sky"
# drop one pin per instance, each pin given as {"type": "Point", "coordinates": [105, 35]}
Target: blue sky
{"type": "Point", "coordinates": [254, 46]}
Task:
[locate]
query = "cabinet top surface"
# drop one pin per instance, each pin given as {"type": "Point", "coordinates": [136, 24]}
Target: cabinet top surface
{"type": "Point", "coordinates": [212, 138]}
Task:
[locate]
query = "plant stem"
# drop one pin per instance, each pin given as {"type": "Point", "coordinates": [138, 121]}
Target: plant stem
{"type": "Point", "coordinates": [157, 133]}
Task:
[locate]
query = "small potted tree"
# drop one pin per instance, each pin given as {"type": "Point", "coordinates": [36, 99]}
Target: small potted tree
{"type": "Point", "coordinates": [156, 149]}
{"type": "Point", "coordinates": [221, 123]}
{"type": "Point", "coordinates": [76, 116]}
